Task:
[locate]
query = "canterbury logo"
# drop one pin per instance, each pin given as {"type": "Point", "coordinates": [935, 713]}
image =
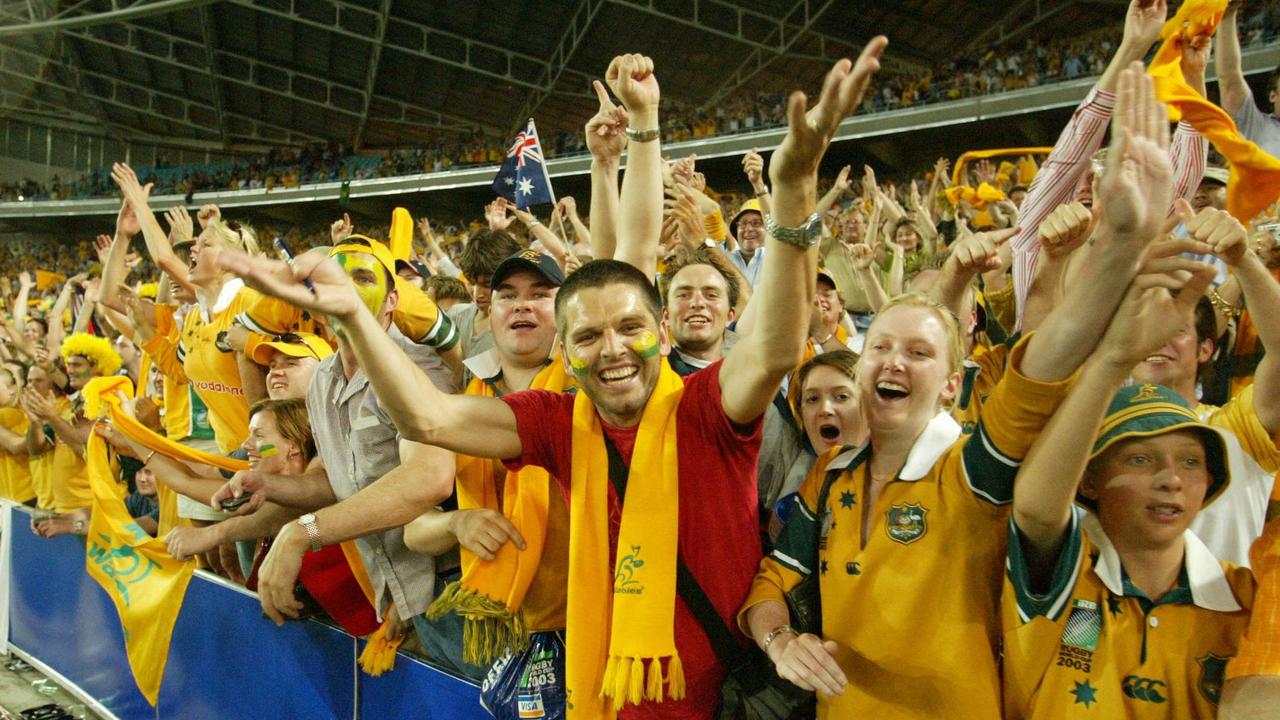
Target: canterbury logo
{"type": "Point", "coordinates": [1140, 688]}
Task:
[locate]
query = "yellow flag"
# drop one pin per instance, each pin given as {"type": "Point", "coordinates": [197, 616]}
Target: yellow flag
{"type": "Point", "coordinates": [401, 243]}
{"type": "Point", "coordinates": [46, 279]}
{"type": "Point", "coordinates": [146, 584]}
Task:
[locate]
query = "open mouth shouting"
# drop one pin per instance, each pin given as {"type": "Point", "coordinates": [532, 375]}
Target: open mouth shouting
{"type": "Point", "coordinates": [829, 432]}
{"type": "Point", "coordinates": [887, 390]}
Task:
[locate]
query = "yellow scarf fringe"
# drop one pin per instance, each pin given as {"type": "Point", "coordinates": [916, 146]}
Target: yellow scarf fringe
{"type": "Point", "coordinates": [490, 594]}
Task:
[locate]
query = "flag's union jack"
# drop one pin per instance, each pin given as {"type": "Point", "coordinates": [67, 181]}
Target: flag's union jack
{"type": "Point", "coordinates": [523, 178]}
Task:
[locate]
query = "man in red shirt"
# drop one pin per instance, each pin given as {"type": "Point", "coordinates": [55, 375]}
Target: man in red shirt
{"type": "Point", "coordinates": [609, 318]}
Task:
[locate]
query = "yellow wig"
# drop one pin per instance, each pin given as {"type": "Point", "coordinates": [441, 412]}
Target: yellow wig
{"type": "Point", "coordinates": [93, 348]}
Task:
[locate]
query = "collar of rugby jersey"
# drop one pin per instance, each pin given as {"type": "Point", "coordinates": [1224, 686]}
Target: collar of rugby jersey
{"type": "Point", "coordinates": [1210, 588]}
{"type": "Point", "coordinates": [938, 437]}
{"type": "Point", "coordinates": [485, 365]}
{"type": "Point", "coordinates": [225, 296]}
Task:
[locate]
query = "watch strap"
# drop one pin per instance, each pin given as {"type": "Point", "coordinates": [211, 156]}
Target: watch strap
{"type": "Point", "coordinates": [308, 523]}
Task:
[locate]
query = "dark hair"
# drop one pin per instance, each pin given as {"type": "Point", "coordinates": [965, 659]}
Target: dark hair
{"type": "Point", "coordinates": [599, 273]}
{"type": "Point", "coordinates": [446, 288]}
{"type": "Point", "coordinates": [1206, 322]}
{"type": "Point", "coordinates": [484, 251]}
{"type": "Point", "coordinates": [701, 255]}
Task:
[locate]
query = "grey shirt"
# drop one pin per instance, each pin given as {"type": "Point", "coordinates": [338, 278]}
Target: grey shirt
{"type": "Point", "coordinates": [464, 316]}
{"type": "Point", "coordinates": [358, 444]}
{"type": "Point", "coordinates": [1262, 128]}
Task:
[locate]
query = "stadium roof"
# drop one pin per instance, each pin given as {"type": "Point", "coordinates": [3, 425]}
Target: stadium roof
{"type": "Point", "coordinates": [228, 74]}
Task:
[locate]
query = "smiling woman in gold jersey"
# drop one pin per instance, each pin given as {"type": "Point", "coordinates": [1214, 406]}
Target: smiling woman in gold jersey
{"type": "Point", "coordinates": [904, 534]}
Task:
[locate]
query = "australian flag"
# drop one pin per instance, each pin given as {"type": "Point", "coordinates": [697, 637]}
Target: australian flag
{"type": "Point", "coordinates": [523, 178]}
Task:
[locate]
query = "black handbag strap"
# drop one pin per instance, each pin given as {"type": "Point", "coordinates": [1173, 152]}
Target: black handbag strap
{"type": "Point", "coordinates": [721, 636]}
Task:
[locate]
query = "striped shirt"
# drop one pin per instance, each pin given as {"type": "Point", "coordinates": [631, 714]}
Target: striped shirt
{"type": "Point", "coordinates": [1068, 164]}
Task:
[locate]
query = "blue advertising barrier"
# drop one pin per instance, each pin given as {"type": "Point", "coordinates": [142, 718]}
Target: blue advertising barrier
{"type": "Point", "coordinates": [225, 660]}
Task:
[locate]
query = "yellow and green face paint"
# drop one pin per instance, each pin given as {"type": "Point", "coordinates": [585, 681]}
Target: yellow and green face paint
{"type": "Point", "coordinates": [646, 346]}
{"type": "Point", "coordinates": [578, 365]}
{"type": "Point", "coordinates": [266, 450]}
{"type": "Point", "coordinates": [372, 294]}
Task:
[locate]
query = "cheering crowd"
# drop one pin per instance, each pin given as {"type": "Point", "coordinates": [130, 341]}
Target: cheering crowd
{"type": "Point", "coordinates": [997, 443]}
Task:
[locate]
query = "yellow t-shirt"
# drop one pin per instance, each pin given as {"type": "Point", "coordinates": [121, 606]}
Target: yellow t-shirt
{"type": "Point", "coordinates": [184, 412]}
{"type": "Point", "coordinates": [915, 612]}
{"type": "Point", "coordinates": [1239, 416]}
{"type": "Point", "coordinates": [213, 372]}
{"type": "Point", "coordinates": [68, 474]}
{"type": "Point", "coordinates": [15, 472]}
{"type": "Point", "coordinates": [1094, 645]}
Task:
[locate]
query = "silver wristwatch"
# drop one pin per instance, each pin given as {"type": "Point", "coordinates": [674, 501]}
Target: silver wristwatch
{"type": "Point", "coordinates": [804, 236]}
{"type": "Point", "coordinates": [308, 523]}
{"type": "Point", "coordinates": [641, 136]}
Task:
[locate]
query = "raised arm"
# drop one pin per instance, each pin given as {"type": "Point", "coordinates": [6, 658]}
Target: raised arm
{"type": "Point", "coordinates": [863, 259]}
{"type": "Point", "coordinates": [138, 197]}
{"type": "Point", "coordinates": [754, 368]}
{"type": "Point", "coordinates": [57, 330]}
{"type": "Point", "coordinates": [640, 208]}
{"type": "Point", "coordinates": [1067, 164]}
{"type": "Point", "coordinates": [975, 254]}
{"type": "Point", "coordinates": [20, 304]}
{"type": "Point", "coordinates": [468, 424]}
{"type": "Point", "coordinates": [606, 139]}
{"type": "Point", "coordinates": [554, 244]}
{"type": "Point", "coordinates": [837, 191]}
{"type": "Point", "coordinates": [568, 209]}
{"type": "Point", "coordinates": [1229, 241]}
{"type": "Point", "coordinates": [753, 166]}
{"type": "Point", "coordinates": [1231, 85]}
{"type": "Point", "coordinates": [1135, 194]}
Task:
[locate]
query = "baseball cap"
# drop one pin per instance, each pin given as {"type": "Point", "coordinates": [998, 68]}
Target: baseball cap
{"type": "Point", "coordinates": [293, 344]}
{"type": "Point", "coordinates": [533, 260]}
{"type": "Point", "coordinates": [1216, 174]}
{"type": "Point", "coordinates": [1149, 410]}
{"type": "Point", "coordinates": [364, 244]}
{"type": "Point", "coordinates": [418, 268]}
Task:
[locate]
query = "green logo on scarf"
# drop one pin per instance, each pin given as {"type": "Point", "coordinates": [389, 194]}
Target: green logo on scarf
{"type": "Point", "coordinates": [624, 580]}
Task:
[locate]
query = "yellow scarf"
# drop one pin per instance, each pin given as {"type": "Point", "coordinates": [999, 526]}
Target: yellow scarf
{"type": "Point", "coordinates": [1255, 175]}
{"type": "Point", "coordinates": [605, 661]}
{"type": "Point", "coordinates": [100, 400]}
{"type": "Point", "coordinates": [490, 594]}
{"type": "Point", "coordinates": [978, 198]}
